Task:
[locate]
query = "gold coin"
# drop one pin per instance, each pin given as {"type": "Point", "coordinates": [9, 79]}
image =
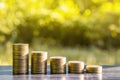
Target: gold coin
{"type": "Point", "coordinates": [58, 59]}
{"type": "Point", "coordinates": [23, 65]}
{"type": "Point", "coordinates": [39, 63]}
{"type": "Point", "coordinates": [20, 53]}
{"type": "Point", "coordinates": [75, 66]}
{"type": "Point", "coordinates": [19, 61]}
{"type": "Point", "coordinates": [38, 57]}
{"type": "Point", "coordinates": [39, 66]}
{"type": "Point", "coordinates": [75, 71]}
{"type": "Point", "coordinates": [39, 54]}
{"type": "Point", "coordinates": [21, 47]}
{"type": "Point", "coordinates": [20, 57]}
{"type": "Point", "coordinates": [94, 69]}
{"type": "Point", "coordinates": [58, 72]}
{"type": "Point", "coordinates": [43, 69]}
{"type": "Point", "coordinates": [39, 60]}
{"type": "Point", "coordinates": [20, 71]}
{"type": "Point", "coordinates": [38, 70]}
{"type": "Point", "coordinates": [58, 65]}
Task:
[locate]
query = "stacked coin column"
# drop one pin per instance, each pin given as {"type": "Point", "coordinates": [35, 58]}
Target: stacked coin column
{"type": "Point", "coordinates": [39, 62]}
{"type": "Point", "coordinates": [20, 58]}
{"type": "Point", "coordinates": [93, 69]}
{"type": "Point", "coordinates": [75, 67]}
{"type": "Point", "coordinates": [58, 65]}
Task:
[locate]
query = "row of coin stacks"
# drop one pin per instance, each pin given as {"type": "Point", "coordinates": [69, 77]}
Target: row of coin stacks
{"type": "Point", "coordinates": [39, 63]}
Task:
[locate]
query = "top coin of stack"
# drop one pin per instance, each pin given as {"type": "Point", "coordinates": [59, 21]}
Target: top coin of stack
{"type": "Point", "coordinates": [75, 67]}
{"type": "Point", "coordinates": [58, 65]}
{"type": "Point", "coordinates": [39, 62]}
{"type": "Point", "coordinates": [20, 58]}
{"type": "Point", "coordinates": [94, 69]}
{"type": "Point", "coordinates": [20, 47]}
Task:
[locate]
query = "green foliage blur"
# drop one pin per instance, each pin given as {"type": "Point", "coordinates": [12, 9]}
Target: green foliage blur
{"type": "Point", "coordinates": [61, 22]}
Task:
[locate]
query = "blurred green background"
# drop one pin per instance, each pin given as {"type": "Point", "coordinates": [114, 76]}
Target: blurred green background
{"type": "Point", "coordinates": [86, 30]}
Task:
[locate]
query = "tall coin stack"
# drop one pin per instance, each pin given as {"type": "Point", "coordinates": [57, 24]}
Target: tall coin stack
{"type": "Point", "coordinates": [75, 67]}
{"type": "Point", "coordinates": [20, 58]}
{"type": "Point", "coordinates": [39, 62]}
{"type": "Point", "coordinates": [58, 65]}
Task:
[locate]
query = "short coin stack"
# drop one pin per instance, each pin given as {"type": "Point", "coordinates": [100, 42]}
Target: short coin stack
{"type": "Point", "coordinates": [20, 58]}
{"type": "Point", "coordinates": [58, 65]}
{"type": "Point", "coordinates": [93, 69]}
{"type": "Point", "coordinates": [75, 67]}
{"type": "Point", "coordinates": [39, 62]}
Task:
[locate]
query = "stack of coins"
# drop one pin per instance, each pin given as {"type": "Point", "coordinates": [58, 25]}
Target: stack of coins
{"type": "Point", "coordinates": [75, 67]}
{"type": "Point", "coordinates": [39, 62]}
{"type": "Point", "coordinates": [58, 65]}
{"type": "Point", "coordinates": [20, 58]}
{"type": "Point", "coordinates": [93, 69]}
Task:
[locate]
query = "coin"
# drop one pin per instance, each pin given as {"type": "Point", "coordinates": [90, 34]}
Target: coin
{"type": "Point", "coordinates": [75, 66]}
{"type": "Point", "coordinates": [43, 71]}
{"type": "Point", "coordinates": [20, 53]}
{"type": "Point", "coordinates": [93, 69]}
{"type": "Point", "coordinates": [41, 55]}
{"type": "Point", "coordinates": [20, 47]}
{"type": "Point", "coordinates": [20, 58]}
{"type": "Point", "coordinates": [58, 65]}
{"type": "Point", "coordinates": [38, 62]}
{"type": "Point", "coordinates": [20, 71]}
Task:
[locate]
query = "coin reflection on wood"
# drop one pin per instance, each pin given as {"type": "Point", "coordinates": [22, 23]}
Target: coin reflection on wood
{"type": "Point", "coordinates": [20, 58]}
{"type": "Point", "coordinates": [58, 65]}
{"type": "Point", "coordinates": [39, 62]}
{"type": "Point", "coordinates": [75, 67]}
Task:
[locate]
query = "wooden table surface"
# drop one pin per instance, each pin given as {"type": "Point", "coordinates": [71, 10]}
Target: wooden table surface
{"type": "Point", "coordinates": [109, 73]}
